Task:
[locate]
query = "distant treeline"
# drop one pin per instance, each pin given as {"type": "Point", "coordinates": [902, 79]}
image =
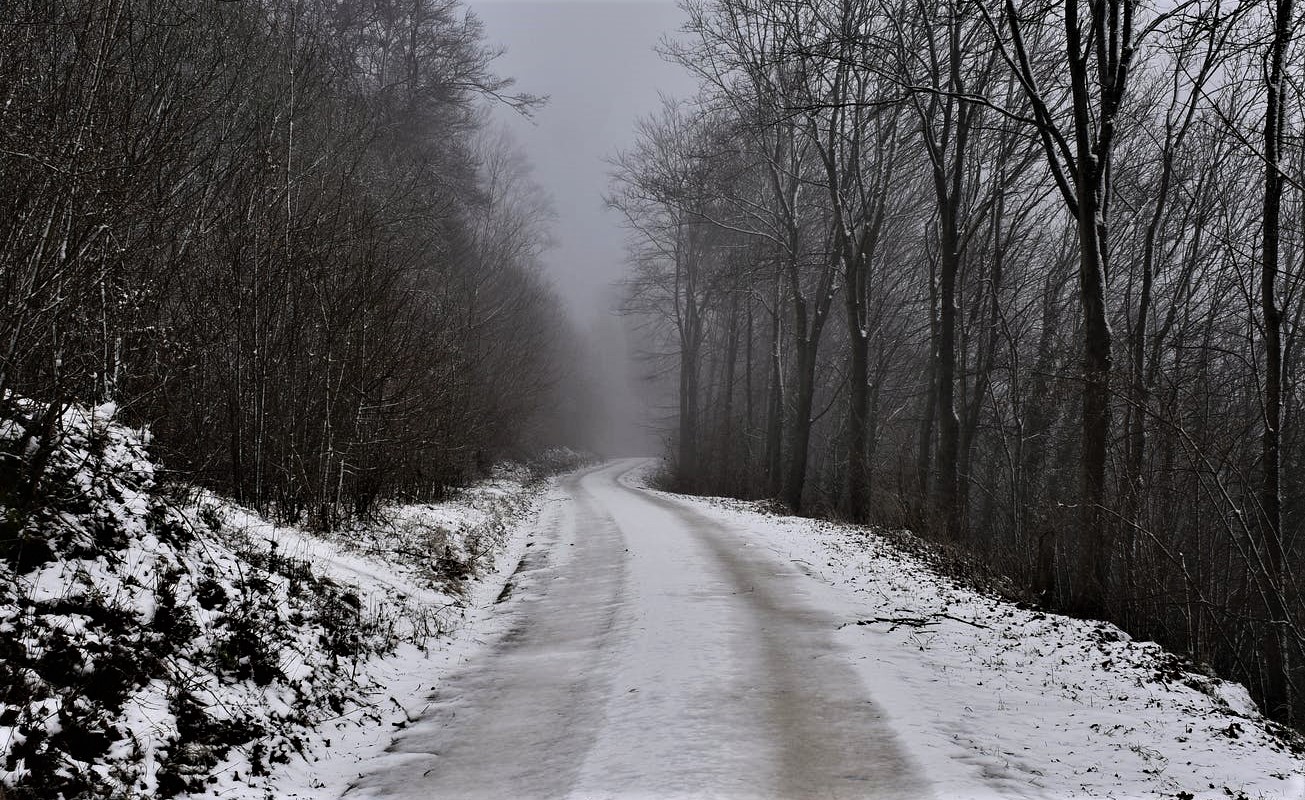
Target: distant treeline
{"type": "Point", "coordinates": [1029, 276]}
{"type": "Point", "coordinates": [279, 232]}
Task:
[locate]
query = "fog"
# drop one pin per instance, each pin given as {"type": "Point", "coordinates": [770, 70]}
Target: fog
{"type": "Point", "coordinates": [597, 64]}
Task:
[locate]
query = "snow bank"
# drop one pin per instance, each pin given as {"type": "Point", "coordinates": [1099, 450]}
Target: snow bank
{"type": "Point", "coordinates": [1003, 701]}
{"type": "Point", "coordinates": [151, 649]}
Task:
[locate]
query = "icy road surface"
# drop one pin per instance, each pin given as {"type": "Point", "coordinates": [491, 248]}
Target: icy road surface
{"type": "Point", "coordinates": [649, 652]}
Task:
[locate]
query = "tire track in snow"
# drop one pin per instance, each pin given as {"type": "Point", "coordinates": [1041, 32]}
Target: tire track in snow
{"type": "Point", "coordinates": [823, 736]}
{"type": "Point", "coordinates": [517, 721]}
{"type": "Point", "coordinates": [650, 652]}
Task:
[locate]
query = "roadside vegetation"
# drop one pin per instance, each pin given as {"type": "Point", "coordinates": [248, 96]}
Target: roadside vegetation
{"type": "Point", "coordinates": [283, 235]}
{"type": "Point", "coordinates": [267, 271]}
{"type": "Point", "coordinates": [162, 641]}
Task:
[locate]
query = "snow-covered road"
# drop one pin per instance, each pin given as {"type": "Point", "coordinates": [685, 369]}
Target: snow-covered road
{"type": "Point", "coordinates": [649, 652]}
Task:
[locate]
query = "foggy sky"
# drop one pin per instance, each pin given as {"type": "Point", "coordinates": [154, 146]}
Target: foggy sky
{"type": "Point", "coordinates": [595, 61]}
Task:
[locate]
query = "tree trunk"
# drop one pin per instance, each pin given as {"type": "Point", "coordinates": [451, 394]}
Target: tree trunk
{"type": "Point", "coordinates": [1093, 142]}
{"type": "Point", "coordinates": [775, 407]}
{"type": "Point", "coordinates": [924, 448]}
{"type": "Point", "coordinates": [1092, 556]}
{"type": "Point", "coordinates": [727, 468]}
{"type": "Point", "coordinates": [688, 411]}
{"type": "Point", "coordinates": [945, 380]}
{"type": "Point", "coordinates": [800, 438]}
{"type": "Point", "coordinates": [1276, 689]}
{"type": "Point", "coordinates": [858, 422]}
{"type": "Point", "coordinates": [949, 182]}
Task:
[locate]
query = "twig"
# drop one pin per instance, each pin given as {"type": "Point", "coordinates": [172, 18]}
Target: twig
{"type": "Point", "coordinates": [911, 622]}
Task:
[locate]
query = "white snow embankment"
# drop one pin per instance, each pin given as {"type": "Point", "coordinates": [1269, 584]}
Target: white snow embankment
{"type": "Point", "coordinates": [434, 617]}
{"type": "Point", "coordinates": [1000, 701]}
{"type": "Point", "coordinates": [152, 648]}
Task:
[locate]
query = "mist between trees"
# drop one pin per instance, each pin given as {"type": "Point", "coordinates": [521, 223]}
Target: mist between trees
{"type": "Point", "coordinates": [282, 234]}
{"type": "Point", "coordinates": [1025, 276]}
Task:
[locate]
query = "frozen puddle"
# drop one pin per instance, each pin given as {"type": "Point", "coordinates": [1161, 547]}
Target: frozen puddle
{"type": "Point", "coordinates": [650, 653]}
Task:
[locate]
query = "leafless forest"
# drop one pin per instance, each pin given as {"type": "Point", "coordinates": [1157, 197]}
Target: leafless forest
{"type": "Point", "coordinates": [1027, 278]}
{"type": "Point", "coordinates": [1024, 276]}
{"type": "Point", "coordinates": [281, 233]}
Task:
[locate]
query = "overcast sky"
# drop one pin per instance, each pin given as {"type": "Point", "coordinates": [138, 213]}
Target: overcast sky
{"type": "Point", "coordinates": [596, 63]}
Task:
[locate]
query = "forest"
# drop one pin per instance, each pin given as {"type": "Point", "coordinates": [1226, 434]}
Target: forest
{"type": "Point", "coordinates": [285, 235]}
{"type": "Point", "coordinates": [1026, 278]}
{"type": "Point", "coordinates": [1023, 277]}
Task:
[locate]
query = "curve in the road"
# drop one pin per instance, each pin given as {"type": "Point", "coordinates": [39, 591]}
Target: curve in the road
{"type": "Point", "coordinates": [651, 653]}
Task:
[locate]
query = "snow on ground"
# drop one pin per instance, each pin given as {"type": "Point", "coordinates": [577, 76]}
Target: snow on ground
{"type": "Point", "coordinates": [403, 682]}
{"type": "Point", "coordinates": [151, 647]}
{"type": "Point", "coordinates": [999, 701]}
{"type": "Point", "coordinates": [424, 573]}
